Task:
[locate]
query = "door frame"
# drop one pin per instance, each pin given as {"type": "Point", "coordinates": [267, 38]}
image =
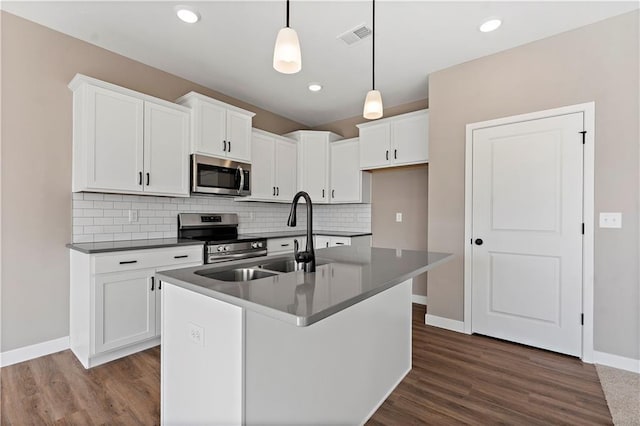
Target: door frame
{"type": "Point", "coordinates": [588, 109]}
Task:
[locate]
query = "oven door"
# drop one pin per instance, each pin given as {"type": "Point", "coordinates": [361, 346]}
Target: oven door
{"type": "Point", "coordinates": [211, 175]}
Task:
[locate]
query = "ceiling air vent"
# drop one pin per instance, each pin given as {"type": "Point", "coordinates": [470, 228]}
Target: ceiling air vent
{"type": "Point", "coordinates": [356, 34]}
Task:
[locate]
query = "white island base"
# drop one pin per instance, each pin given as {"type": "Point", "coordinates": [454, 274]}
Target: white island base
{"type": "Point", "coordinates": [228, 365]}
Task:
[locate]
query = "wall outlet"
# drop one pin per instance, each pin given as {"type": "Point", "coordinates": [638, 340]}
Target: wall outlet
{"type": "Point", "coordinates": [610, 220]}
{"type": "Point", "coordinates": [196, 334]}
{"type": "Point", "coordinates": [133, 216]}
{"type": "Point", "coordinates": [398, 217]}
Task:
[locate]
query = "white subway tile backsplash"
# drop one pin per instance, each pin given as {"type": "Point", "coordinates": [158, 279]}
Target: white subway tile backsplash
{"type": "Point", "coordinates": [103, 221]}
{"type": "Point", "coordinates": [93, 196]}
{"type": "Point", "coordinates": [105, 217]}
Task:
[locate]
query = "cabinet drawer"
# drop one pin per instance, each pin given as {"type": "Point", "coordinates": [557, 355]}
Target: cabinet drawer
{"type": "Point", "coordinates": [340, 241]}
{"type": "Point", "coordinates": [150, 258]}
{"type": "Point", "coordinates": [284, 245]}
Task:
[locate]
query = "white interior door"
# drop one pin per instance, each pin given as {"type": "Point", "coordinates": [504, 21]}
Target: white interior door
{"type": "Point", "coordinates": [527, 232]}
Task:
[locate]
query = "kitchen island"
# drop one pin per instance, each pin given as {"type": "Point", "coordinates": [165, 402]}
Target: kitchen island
{"type": "Point", "coordinates": [288, 347]}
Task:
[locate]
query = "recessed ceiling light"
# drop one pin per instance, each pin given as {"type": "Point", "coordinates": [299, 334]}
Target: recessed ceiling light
{"type": "Point", "coordinates": [490, 25]}
{"type": "Point", "coordinates": [315, 87]}
{"type": "Point", "coordinates": [187, 14]}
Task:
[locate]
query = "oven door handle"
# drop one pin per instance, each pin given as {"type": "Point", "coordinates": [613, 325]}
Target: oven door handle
{"type": "Point", "coordinates": [241, 179]}
{"type": "Point", "coordinates": [215, 259]}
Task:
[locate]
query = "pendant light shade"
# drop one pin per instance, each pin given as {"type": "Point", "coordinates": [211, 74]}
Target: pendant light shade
{"type": "Point", "coordinates": [373, 102]}
{"type": "Point", "coordinates": [287, 58]}
{"type": "Point", "coordinates": [372, 105]}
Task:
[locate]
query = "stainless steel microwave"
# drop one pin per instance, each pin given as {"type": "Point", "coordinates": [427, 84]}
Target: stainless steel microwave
{"type": "Point", "coordinates": [210, 175]}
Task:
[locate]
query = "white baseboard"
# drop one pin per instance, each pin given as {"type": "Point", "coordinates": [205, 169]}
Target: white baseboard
{"type": "Point", "coordinates": [421, 300]}
{"type": "Point", "coordinates": [446, 323]}
{"type": "Point", "coordinates": [34, 351]}
{"type": "Point", "coordinates": [616, 361]}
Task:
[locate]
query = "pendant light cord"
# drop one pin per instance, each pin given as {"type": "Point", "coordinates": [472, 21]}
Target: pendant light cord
{"type": "Point", "coordinates": [373, 54]}
{"type": "Point", "coordinates": [287, 13]}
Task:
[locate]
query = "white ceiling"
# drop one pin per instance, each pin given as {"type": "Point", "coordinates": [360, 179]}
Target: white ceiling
{"type": "Point", "coordinates": [231, 49]}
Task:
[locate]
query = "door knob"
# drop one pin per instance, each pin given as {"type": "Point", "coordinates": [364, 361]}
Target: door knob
{"type": "Point", "coordinates": [479, 241]}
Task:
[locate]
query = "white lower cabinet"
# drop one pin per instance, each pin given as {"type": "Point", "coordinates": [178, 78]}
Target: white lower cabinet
{"type": "Point", "coordinates": [125, 309]}
{"type": "Point", "coordinates": [324, 241]}
{"type": "Point", "coordinates": [285, 245]}
{"type": "Point", "coordinates": [115, 300]}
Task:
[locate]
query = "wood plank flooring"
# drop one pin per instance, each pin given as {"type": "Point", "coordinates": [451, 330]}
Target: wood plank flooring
{"type": "Point", "coordinates": [456, 379]}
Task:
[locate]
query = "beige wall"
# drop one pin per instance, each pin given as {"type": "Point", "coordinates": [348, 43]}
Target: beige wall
{"type": "Point", "coordinates": [597, 63]}
{"type": "Point", "coordinates": [37, 65]}
{"type": "Point", "coordinates": [401, 190]}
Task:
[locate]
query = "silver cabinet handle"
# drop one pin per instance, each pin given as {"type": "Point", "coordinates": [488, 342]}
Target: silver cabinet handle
{"type": "Point", "coordinates": [241, 179]}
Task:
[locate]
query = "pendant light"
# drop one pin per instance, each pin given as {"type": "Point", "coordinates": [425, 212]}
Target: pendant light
{"type": "Point", "coordinates": [287, 58]}
{"type": "Point", "coordinates": [373, 102]}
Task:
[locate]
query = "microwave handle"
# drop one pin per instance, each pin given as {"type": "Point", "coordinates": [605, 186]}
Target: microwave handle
{"type": "Point", "coordinates": [241, 179]}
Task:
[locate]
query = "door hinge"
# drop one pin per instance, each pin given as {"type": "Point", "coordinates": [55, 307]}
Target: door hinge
{"type": "Point", "coordinates": [581, 319]}
{"type": "Point", "coordinates": [584, 133]}
{"type": "Point", "coordinates": [582, 228]}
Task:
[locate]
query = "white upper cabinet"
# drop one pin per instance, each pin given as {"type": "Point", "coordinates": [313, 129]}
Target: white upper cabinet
{"type": "Point", "coordinates": [273, 173]}
{"type": "Point", "coordinates": [313, 163]}
{"type": "Point", "coordinates": [349, 184]}
{"type": "Point", "coordinates": [218, 129]}
{"type": "Point", "coordinates": [128, 142]}
{"type": "Point", "coordinates": [163, 126]}
{"type": "Point", "coordinates": [395, 141]}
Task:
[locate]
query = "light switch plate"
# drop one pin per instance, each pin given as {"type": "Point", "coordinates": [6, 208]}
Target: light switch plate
{"type": "Point", "coordinates": [398, 217]}
{"type": "Point", "coordinates": [610, 220]}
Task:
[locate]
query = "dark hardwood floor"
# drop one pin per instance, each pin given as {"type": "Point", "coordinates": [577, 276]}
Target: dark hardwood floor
{"type": "Point", "coordinates": [455, 379]}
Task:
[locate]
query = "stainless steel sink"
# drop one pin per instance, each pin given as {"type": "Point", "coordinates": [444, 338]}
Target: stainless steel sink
{"type": "Point", "coordinates": [239, 274]}
{"type": "Point", "coordinates": [288, 265]}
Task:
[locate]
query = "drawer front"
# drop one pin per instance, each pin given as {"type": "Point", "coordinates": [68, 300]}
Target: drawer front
{"type": "Point", "coordinates": [340, 241]}
{"type": "Point", "coordinates": [284, 245]}
{"type": "Point", "coordinates": [142, 259]}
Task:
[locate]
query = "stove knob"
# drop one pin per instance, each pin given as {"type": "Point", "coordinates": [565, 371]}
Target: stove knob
{"type": "Point", "coordinates": [260, 244]}
{"type": "Point", "coordinates": [226, 248]}
{"type": "Point", "coordinates": [220, 248]}
{"type": "Point", "coordinates": [255, 245]}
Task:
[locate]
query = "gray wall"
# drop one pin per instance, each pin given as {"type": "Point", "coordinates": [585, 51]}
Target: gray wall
{"type": "Point", "coordinates": [597, 63]}
{"type": "Point", "coordinates": [36, 135]}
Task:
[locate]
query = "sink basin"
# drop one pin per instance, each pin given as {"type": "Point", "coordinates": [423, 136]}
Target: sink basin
{"type": "Point", "coordinates": [240, 274]}
{"type": "Point", "coordinates": [288, 265]}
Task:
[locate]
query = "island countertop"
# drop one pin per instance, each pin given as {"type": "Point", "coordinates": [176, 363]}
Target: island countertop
{"type": "Point", "coordinates": [344, 276]}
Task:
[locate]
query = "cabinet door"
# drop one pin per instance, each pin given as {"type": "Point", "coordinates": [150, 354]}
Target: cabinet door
{"type": "Point", "coordinates": [314, 171]}
{"type": "Point", "coordinates": [125, 309]}
{"type": "Point", "coordinates": [375, 146]}
{"type": "Point", "coordinates": [409, 140]}
{"type": "Point", "coordinates": [346, 176]}
{"type": "Point", "coordinates": [286, 170]}
{"type": "Point", "coordinates": [114, 140]}
{"type": "Point", "coordinates": [238, 136]}
{"type": "Point", "coordinates": [210, 129]}
{"type": "Point", "coordinates": [322, 241]}
{"type": "Point", "coordinates": [166, 150]}
{"type": "Point", "coordinates": [262, 169]}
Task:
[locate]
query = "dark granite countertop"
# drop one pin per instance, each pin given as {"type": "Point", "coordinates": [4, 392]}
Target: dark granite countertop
{"type": "Point", "coordinates": [344, 276]}
{"type": "Point", "coordinates": [109, 246]}
{"type": "Point", "coordinates": [302, 231]}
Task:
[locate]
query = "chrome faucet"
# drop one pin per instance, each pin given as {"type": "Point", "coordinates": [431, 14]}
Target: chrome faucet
{"type": "Point", "coordinates": [308, 256]}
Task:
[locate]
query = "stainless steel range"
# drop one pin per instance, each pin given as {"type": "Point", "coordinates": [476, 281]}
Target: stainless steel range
{"type": "Point", "coordinates": [219, 231]}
